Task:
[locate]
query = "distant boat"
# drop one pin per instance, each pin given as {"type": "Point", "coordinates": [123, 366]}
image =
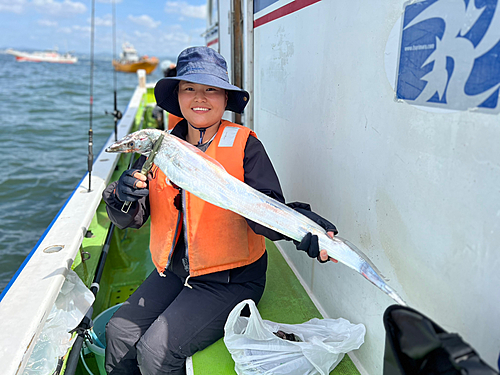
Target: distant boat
{"type": "Point", "coordinates": [43, 56]}
{"type": "Point", "coordinates": [130, 62]}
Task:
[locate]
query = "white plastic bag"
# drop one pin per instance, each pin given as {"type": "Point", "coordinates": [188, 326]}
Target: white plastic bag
{"type": "Point", "coordinates": [71, 305]}
{"type": "Point", "coordinates": [257, 350]}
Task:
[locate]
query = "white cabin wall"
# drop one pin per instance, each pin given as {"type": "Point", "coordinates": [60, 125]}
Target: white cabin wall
{"type": "Point", "coordinates": [224, 47]}
{"type": "Point", "coordinates": [224, 32]}
{"type": "Point", "coordinates": [248, 68]}
{"type": "Point", "coordinates": [225, 42]}
{"type": "Point", "coordinates": [417, 191]}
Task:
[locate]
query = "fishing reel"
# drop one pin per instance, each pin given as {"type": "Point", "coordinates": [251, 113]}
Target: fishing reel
{"type": "Point", "coordinates": [116, 114]}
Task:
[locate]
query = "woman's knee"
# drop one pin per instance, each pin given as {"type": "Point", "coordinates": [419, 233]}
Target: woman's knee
{"type": "Point", "coordinates": [112, 330]}
{"type": "Point", "coordinates": [121, 329]}
{"type": "Point", "coordinates": [159, 359]}
{"type": "Point", "coordinates": [120, 349]}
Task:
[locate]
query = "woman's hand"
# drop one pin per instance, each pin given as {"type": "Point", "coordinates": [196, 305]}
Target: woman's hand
{"type": "Point", "coordinates": [323, 255]}
{"type": "Point", "coordinates": [132, 186]}
{"type": "Point", "coordinates": [310, 245]}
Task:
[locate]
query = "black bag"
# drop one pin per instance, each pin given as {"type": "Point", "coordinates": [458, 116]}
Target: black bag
{"type": "Point", "coordinates": [415, 345]}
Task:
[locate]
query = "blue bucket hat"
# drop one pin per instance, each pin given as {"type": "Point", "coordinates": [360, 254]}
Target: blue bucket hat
{"type": "Point", "coordinates": [204, 66]}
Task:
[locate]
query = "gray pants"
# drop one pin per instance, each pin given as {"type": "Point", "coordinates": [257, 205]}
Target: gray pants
{"type": "Point", "coordinates": [164, 322]}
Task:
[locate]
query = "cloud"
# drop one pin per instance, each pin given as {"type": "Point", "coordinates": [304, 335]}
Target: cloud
{"type": "Point", "coordinates": [176, 28]}
{"type": "Point", "coordinates": [14, 6]}
{"type": "Point", "coordinates": [199, 31]}
{"type": "Point", "coordinates": [64, 8]}
{"type": "Point", "coordinates": [47, 23]}
{"type": "Point", "coordinates": [157, 42]}
{"type": "Point", "coordinates": [85, 29]}
{"type": "Point", "coordinates": [109, 1]}
{"type": "Point", "coordinates": [183, 8]}
{"type": "Point", "coordinates": [143, 35]}
{"type": "Point", "coordinates": [144, 20]}
{"type": "Point", "coordinates": [172, 43]}
{"type": "Point", "coordinates": [82, 30]}
{"type": "Point", "coordinates": [177, 37]}
{"type": "Point", "coordinates": [52, 7]}
{"type": "Point", "coordinates": [65, 30]}
{"type": "Point", "coordinates": [107, 20]}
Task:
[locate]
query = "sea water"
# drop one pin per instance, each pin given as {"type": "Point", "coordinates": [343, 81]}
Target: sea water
{"type": "Point", "coordinates": [44, 124]}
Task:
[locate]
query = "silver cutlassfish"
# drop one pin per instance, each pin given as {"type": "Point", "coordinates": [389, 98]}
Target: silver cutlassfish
{"type": "Point", "coordinates": [193, 171]}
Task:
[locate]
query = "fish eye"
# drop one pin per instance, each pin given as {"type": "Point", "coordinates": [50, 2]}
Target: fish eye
{"type": "Point", "coordinates": [131, 144]}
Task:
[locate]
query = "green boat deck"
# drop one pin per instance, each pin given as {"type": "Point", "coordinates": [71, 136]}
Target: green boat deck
{"type": "Point", "coordinates": [285, 301]}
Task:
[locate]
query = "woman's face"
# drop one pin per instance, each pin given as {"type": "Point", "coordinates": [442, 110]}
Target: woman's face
{"type": "Point", "coordinates": [201, 105]}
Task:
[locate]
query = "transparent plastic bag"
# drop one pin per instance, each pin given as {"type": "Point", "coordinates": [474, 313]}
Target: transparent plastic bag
{"type": "Point", "coordinates": [71, 305]}
{"type": "Point", "coordinates": [256, 349]}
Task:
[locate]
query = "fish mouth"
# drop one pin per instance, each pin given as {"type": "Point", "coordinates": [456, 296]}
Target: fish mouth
{"type": "Point", "coordinates": [113, 148]}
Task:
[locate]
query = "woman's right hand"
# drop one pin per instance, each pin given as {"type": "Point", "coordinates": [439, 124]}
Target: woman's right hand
{"type": "Point", "coordinates": [132, 186]}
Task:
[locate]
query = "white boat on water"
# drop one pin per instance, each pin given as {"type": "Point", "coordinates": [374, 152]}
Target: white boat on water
{"type": "Point", "coordinates": [43, 56]}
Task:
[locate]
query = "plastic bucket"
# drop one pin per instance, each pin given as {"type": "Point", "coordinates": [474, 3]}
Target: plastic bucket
{"type": "Point", "coordinates": [98, 335]}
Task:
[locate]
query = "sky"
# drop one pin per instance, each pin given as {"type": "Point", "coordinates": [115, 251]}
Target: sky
{"type": "Point", "coordinates": [155, 27]}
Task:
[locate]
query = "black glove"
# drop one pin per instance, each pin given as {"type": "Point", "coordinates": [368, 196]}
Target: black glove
{"type": "Point", "coordinates": [309, 243]}
{"type": "Point", "coordinates": [126, 189]}
{"type": "Point", "coordinates": [305, 210]}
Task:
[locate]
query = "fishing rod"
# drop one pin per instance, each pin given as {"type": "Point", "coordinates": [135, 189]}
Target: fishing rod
{"type": "Point", "coordinates": [87, 323]}
{"type": "Point", "coordinates": [82, 334]}
{"type": "Point", "coordinates": [116, 112]}
{"type": "Point", "coordinates": [90, 158]}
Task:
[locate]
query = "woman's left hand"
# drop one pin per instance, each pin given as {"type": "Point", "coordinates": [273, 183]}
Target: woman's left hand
{"type": "Point", "coordinates": [310, 245]}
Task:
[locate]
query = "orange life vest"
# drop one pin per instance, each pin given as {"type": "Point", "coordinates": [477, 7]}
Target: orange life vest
{"type": "Point", "coordinates": [173, 120]}
{"type": "Point", "coordinates": [216, 239]}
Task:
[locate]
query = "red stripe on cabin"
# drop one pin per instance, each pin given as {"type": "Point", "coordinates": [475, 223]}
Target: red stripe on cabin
{"type": "Point", "coordinates": [212, 42]}
{"type": "Point", "coordinates": [283, 11]}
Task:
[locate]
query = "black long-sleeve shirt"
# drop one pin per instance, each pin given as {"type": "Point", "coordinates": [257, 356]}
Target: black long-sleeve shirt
{"type": "Point", "coordinates": [259, 173]}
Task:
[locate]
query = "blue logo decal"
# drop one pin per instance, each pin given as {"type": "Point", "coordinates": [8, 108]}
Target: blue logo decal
{"type": "Point", "coordinates": [450, 54]}
{"type": "Point", "coordinates": [258, 5]}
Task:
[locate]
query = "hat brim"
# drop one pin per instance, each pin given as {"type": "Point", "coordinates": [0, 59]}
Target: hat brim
{"type": "Point", "coordinates": [166, 97]}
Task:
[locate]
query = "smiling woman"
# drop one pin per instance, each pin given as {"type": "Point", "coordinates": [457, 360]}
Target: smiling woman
{"type": "Point", "coordinates": [207, 258]}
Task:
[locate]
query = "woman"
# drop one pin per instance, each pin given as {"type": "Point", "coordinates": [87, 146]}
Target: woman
{"type": "Point", "coordinates": [208, 259]}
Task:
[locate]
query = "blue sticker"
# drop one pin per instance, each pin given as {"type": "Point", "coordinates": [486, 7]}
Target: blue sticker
{"type": "Point", "coordinates": [450, 54]}
{"type": "Point", "coordinates": [258, 5]}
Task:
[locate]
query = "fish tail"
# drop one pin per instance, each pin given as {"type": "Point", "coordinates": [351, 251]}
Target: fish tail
{"type": "Point", "coordinates": [372, 274]}
{"type": "Point", "coordinates": [395, 296]}
{"type": "Point", "coordinates": [364, 257]}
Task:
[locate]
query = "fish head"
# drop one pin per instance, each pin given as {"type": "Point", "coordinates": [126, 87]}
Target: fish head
{"type": "Point", "coordinates": [141, 142]}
